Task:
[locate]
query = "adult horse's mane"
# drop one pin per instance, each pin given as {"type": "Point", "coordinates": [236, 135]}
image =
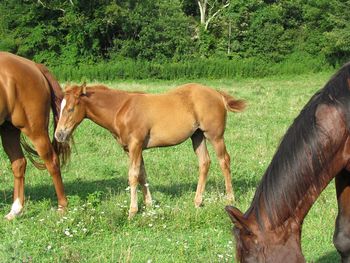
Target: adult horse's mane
{"type": "Point", "coordinates": [297, 164]}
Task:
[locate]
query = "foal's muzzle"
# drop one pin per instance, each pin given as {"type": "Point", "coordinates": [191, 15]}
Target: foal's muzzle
{"type": "Point", "coordinates": [62, 135]}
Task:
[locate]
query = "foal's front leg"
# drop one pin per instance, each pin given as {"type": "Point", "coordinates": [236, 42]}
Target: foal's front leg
{"type": "Point", "coordinates": [135, 159]}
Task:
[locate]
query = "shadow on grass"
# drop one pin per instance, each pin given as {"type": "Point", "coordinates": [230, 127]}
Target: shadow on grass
{"type": "Point", "coordinates": [105, 187]}
{"type": "Point", "coordinates": [242, 185]}
{"type": "Point", "coordinates": [83, 189]}
{"type": "Point", "coordinates": [329, 258]}
{"type": "Point", "coordinates": [78, 187]}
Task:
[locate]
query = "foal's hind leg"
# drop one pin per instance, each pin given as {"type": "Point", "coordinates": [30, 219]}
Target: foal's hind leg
{"type": "Point", "coordinates": [200, 148]}
{"type": "Point", "coordinates": [224, 160]}
{"type": "Point", "coordinates": [145, 189]}
{"type": "Point", "coordinates": [46, 152]}
{"type": "Point", "coordinates": [135, 163]}
{"type": "Point", "coordinates": [10, 137]}
{"type": "Point", "coordinates": [341, 237]}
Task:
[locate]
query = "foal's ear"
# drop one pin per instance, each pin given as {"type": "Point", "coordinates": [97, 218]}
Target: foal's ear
{"type": "Point", "coordinates": [237, 217]}
{"type": "Point", "coordinates": [83, 88]}
{"type": "Point", "coordinates": [67, 86]}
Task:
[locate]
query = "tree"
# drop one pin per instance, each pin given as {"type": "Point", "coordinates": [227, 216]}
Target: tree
{"type": "Point", "coordinates": [89, 31]}
{"type": "Point", "coordinates": [337, 44]}
{"type": "Point", "coordinates": [209, 9]}
{"type": "Point", "coordinates": [160, 31]}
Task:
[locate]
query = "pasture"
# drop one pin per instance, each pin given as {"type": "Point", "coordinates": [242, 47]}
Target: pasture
{"type": "Point", "coordinates": [96, 226]}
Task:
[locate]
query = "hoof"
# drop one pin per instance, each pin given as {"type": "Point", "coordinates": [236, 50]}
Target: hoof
{"type": "Point", "coordinates": [198, 203]}
{"type": "Point", "coordinates": [10, 216]}
{"type": "Point", "coordinates": [61, 210]}
{"type": "Point", "coordinates": [16, 210]}
{"type": "Point", "coordinates": [148, 203]}
{"type": "Point", "coordinates": [230, 199]}
{"type": "Point", "coordinates": [132, 213]}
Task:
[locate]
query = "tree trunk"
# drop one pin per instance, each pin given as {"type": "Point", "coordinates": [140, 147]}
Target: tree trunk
{"type": "Point", "coordinates": [203, 10]}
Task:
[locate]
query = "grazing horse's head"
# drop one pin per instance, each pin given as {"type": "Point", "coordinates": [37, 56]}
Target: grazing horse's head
{"type": "Point", "coordinates": [256, 245]}
{"type": "Point", "coordinates": [72, 111]}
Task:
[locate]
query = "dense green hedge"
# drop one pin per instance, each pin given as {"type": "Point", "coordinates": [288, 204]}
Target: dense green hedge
{"type": "Point", "coordinates": [199, 68]}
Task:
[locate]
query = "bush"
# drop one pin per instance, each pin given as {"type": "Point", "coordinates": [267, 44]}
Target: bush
{"type": "Point", "coordinates": [297, 63]}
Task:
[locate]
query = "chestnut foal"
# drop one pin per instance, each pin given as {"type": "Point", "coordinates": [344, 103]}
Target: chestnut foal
{"type": "Point", "coordinates": [140, 121]}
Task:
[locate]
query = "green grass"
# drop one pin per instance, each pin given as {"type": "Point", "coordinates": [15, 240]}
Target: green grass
{"type": "Point", "coordinates": [96, 228]}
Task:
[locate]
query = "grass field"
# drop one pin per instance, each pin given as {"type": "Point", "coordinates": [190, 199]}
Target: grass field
{"type": "Point", "coordinates": [96, 228]}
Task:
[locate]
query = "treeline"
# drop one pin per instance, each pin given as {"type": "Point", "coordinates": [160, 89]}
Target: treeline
{"type": "Point", "coordinates": [177, 38]}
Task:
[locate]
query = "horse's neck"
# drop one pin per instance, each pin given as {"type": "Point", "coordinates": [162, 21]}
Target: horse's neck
{"type": "Point", "coordinates": [336, 165]}
{"type": "Point", "coordinates": [304, 205]}
{"type": "Point", "coordinates": [102, 105]}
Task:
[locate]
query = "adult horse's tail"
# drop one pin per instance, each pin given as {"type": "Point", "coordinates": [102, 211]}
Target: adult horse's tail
{"type": "Point", "coordinates": [232, 104]}
{"type": "Point", "coordinates": [63, 150]}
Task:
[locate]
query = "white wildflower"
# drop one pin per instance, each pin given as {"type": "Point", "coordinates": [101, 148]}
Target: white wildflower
{"type": "Point", "coordinates": [66, 232]}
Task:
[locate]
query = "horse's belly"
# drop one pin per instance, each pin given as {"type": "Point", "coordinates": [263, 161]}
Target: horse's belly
{"type": "Point", "coordinates": [168, 135]}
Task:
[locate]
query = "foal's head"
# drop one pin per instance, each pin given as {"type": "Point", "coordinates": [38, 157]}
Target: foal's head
{"type": "Point", "coordinates": [72, 111]}
{"type": "Point", "coordinates": [256, 245]}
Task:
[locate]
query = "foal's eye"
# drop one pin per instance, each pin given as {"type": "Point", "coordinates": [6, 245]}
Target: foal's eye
{"type": "Point", "coordinates": [71, 109]}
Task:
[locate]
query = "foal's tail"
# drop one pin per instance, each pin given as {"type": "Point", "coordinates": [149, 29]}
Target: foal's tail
{"type": "Point", "coordinates": [232, 104]}
{"type": "Point", "coordinates": [63, 150]}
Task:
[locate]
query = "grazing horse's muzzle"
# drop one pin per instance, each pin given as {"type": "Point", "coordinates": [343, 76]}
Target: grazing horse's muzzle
{"type": "Point", "coordinates": [62, 135]}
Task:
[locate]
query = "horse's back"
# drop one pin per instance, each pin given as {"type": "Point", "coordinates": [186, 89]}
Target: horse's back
{"type": "Point", "coordinates": [198, 94]}
{"type": "Point", "coordinates": [23, 71]}
{"type": "Point", "coordinates": [174, 116]}
{"type": "Point", "coordinates": [23, 90]}
{"type": "Point", "coordinates": [206, 103]}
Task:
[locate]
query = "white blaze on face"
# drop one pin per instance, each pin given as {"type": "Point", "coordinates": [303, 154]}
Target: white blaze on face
{"type": "Point", "coordinates": [63, 104]}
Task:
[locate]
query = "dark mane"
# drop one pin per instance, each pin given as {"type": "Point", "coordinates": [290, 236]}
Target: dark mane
{"type": "Point", "coordinates": [300, 157]}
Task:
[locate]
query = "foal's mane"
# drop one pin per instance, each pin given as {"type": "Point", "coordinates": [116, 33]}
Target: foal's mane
{"type": "Point", "coordinates": [300, 158]}
{"type": "Point", "coordinates": [101, 87]}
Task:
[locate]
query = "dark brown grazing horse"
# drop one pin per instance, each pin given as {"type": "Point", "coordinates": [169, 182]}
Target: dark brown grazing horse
{"type": "Point", "coordinates": [315, 149]}
{"type": "Point", "coordinates": [27, 91]}
{"type": "Point", "coordinates": [140, 121]}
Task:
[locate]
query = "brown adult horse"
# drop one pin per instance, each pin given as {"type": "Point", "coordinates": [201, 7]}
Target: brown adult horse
{"type": "Point", "coordinates": [315, 149]}
{"type": "Point", "coordinates": [27, 90]}
{"type": "Point", "coordinates": [140, 121]}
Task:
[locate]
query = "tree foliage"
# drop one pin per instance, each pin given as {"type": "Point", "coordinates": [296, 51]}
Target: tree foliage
{"type": "Point", "coordinates": [88, 31]}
